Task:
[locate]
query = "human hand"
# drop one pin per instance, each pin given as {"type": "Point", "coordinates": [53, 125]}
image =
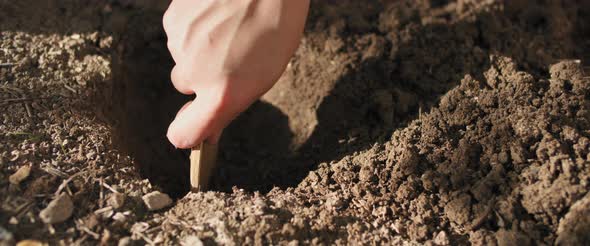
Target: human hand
{"type": "Point", "coordinates": [229, 53]}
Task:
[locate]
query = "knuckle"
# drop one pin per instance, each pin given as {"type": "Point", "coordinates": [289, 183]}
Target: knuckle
{"type": "Point", "coordinates": [181, 80]}
{"type": "Point", "coordinates": [167, 19]}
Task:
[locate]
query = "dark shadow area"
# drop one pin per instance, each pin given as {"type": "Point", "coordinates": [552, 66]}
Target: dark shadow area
{"type": "Point", "coordinates": [253, 150]}
{"type": "Point", "coordinates": [145, 102]}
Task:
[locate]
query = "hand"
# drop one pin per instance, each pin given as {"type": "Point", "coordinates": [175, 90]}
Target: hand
{"type": "Point", "coordinates": [229, 53]}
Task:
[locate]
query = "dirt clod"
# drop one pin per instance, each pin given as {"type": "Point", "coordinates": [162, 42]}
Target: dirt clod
{"type": "Point", "coordinates": [574, 228]}
{"type": "Point", "coordinates": [58, 210]}
{"type": "Point", "coordinates": [156, 200]}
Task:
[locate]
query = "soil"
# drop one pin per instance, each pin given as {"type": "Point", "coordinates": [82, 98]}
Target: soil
{"type": "Point", "coordinates": [397, 122]}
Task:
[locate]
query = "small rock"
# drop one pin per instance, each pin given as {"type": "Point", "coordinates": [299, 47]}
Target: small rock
{"type": "Point", "coordinates": [126, 241]}
{"type": "Point", "coordinates": [29, 242]}
{"type": "Point", "coordinates": [156, 200]}
{"type": "Point", "coordinates": [119, 217]}
{"type": "Point", "coordinates": [58, 210]}
{"type": "Point", "coordinates": [20, 175]}
{"type": "Point", "coordinates": [13, 221]}
{"type": "Point", "coordinates": [442, 238]}
{"type": "Point", "coordinates": [116, 200]}
{"type": "Point", "coordinates": [191, 240]}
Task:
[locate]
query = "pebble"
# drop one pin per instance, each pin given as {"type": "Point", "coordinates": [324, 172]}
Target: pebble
{"type": "Point", "coordinates": [20, 175]}
{"type": "Point", "coordinates": [119, 217]}
{"type": "Point", "coordinates": [156, 200]}
{"type": "Point", "coordinates": [116, 200]}
{"type": "Point", "coordinates": [58, 210]}
{"type": "Point", "coordinates": [192, 240]}
{"type": "Point", "coordinates": [126, 241]}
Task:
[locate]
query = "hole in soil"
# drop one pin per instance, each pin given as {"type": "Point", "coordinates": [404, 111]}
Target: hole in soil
{"type": "Point", "coordinates": [144, 104]}
{"type": "Point", "coordinates": [255, 150]}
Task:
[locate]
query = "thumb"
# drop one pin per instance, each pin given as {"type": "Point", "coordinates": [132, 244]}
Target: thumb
{"type": "Point", "coordinates": [196, 121]}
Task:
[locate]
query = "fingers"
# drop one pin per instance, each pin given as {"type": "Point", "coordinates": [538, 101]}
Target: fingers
{"type": "Point", "coordinates": [175, 23]}
{"type": "Point", "coordinates": [183, 108]}
{"type": "Point", "coordinates": [181, 81]}
{"type": "Point", "coordinates": [197, 121]}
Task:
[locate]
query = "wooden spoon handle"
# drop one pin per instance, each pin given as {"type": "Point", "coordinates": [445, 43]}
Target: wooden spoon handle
{"type": "Point", "coordinates": [203, 162]}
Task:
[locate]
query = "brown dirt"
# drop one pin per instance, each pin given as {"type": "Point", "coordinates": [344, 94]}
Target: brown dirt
{"type": "Point", "coordinates": [397, 122]}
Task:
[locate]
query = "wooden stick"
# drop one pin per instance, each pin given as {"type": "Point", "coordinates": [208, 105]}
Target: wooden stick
{"type": "Point", "coordinates": [203, 161]}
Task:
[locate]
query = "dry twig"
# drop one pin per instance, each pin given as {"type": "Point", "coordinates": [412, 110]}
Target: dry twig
{"type": "Point", "coordinates": [65, 183]}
